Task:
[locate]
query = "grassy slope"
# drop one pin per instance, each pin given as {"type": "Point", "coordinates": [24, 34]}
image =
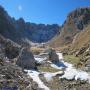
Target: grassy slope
{"type": "Point", "coordinates": [82, 38]}
{"type": "Point", "coordinates": [48, 69]}
{"type": "Point", "coordinates": [71, 59]}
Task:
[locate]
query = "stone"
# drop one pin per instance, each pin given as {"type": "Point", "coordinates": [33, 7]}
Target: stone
{"type": "Point", "coordinates": [53, 57]}
{"type": "Point", "coordinates": [26, 60]}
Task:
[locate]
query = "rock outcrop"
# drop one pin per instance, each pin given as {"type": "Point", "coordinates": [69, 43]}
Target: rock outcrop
{"type": "Point", "coordinates": [12, 76]}
{"type": "Point", "coordinates": [14, 53]}
{"type": "Point", "coordinates": [26, 60]}
{"type": "Point", "coordinates": [8, 48]}
{"type": "Point", "coordinates": [52, 56]}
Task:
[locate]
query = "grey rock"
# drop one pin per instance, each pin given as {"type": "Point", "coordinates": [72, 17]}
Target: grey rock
{"type": "Point", "coordinates": [26, 60]}
{"type": "Point", "coordinates": [53, 57]}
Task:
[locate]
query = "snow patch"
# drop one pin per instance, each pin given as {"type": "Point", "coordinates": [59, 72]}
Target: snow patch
{"type": "Point", "coordinates": [39, 59]}
{"type": "Point", "coordinates": [60, 55]}
{"type": "Point", "coordinates": [49, 75]}
{"type": "Point", "coordinates": [35, 76]}
{"type": "Point", "coordinates": [70, 71]}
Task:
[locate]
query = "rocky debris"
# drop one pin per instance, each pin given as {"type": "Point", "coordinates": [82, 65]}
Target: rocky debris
{"type": "Point", "coordinates": [87, 64]}
{"type": "Point", "coordinates": [81, 51]}
{"type": "Point", "coordinates": [84, 54]}
{"type": "Point", "coordinates": [12, 76]}
{"type": "Point", "coordinates": [73, 85]}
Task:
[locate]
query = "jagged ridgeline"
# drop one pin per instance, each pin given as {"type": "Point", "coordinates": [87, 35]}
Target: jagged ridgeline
{"type": "Point", "coordinates": [19, 30]}
{"type": "Point", "coordinates": [20, 69]}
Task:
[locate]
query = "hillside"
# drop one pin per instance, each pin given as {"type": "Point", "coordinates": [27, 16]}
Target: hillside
{"type": "Point", "coordinates": [76, 21]}
{"type": "Point", "coordinates": [82, 38]}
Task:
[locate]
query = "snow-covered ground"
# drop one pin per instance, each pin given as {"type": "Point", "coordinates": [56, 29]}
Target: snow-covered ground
{"type": "Point", "coordinates": [35, 76]}
{"type": "Point", "coordinates": [70, 72]}
{"type": "Point", "coordinates": [49, 75]}
{"type": "Point", "coordinates": [40, 59]}
{"type": "Point", "coordinates": [60, 56]}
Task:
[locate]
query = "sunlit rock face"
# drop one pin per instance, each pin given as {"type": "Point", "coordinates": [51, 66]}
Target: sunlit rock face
{"type": "Point", "coordinates": [76, 21]}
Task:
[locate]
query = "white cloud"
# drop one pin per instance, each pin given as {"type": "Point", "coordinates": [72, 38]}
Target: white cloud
{"type": "Point", "coordinates": [20, 8]}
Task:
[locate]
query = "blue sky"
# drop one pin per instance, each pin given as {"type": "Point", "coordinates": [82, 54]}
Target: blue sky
{"type": "Point", "coordinates": [42, 11]}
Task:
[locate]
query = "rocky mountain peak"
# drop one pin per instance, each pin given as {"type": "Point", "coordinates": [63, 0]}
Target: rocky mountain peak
{"type": "Point", "coordinates": [76, 21]}
{"type": "Point", "coordinates": [18, 30]}
{"type": "Point", "coordinates": [80, 17]}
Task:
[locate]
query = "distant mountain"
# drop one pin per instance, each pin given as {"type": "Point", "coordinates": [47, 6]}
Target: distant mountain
{"type": "Point", "coordinates": [76, 21]}
{"type": "Point", "coordinates": [19, 30]}
{"type": "Point", "coordinates": [56, 36]}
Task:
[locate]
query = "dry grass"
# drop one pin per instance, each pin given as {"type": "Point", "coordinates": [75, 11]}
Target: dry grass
{"type": "Point", "coordinates": [62, 48]}
{"type": "Point", "coordinates": [37, 50]}
{"type": "Point", "coordinates": [47, 69]}
{"type": "Point", "coordinates": [72, 59]}
{"type": "Point", "coordinates": [82, 38]}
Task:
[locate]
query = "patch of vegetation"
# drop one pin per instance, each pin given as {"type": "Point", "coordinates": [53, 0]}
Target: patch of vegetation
{"type": "Point", "coordinates": [36, 50]}
{"type": "Point", "coordinates": [47, 69]}
{"type": "Point", "coordinates": [72, 59]}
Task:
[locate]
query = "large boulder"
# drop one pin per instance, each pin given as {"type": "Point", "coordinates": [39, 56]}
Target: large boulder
{"type": "Point", "coordinates": [26, 59]}
{"type": "Point", "coordinates": [53, 57]}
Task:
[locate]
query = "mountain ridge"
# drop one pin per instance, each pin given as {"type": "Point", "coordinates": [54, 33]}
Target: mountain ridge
{"type": "Point", "coordinates": [18, 30]}
{"type": "Point", "coordinates": [76, 21]}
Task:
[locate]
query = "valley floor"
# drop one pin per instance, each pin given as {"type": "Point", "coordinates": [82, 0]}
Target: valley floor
{"type": "Point", "coordinates": [56, 73]}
